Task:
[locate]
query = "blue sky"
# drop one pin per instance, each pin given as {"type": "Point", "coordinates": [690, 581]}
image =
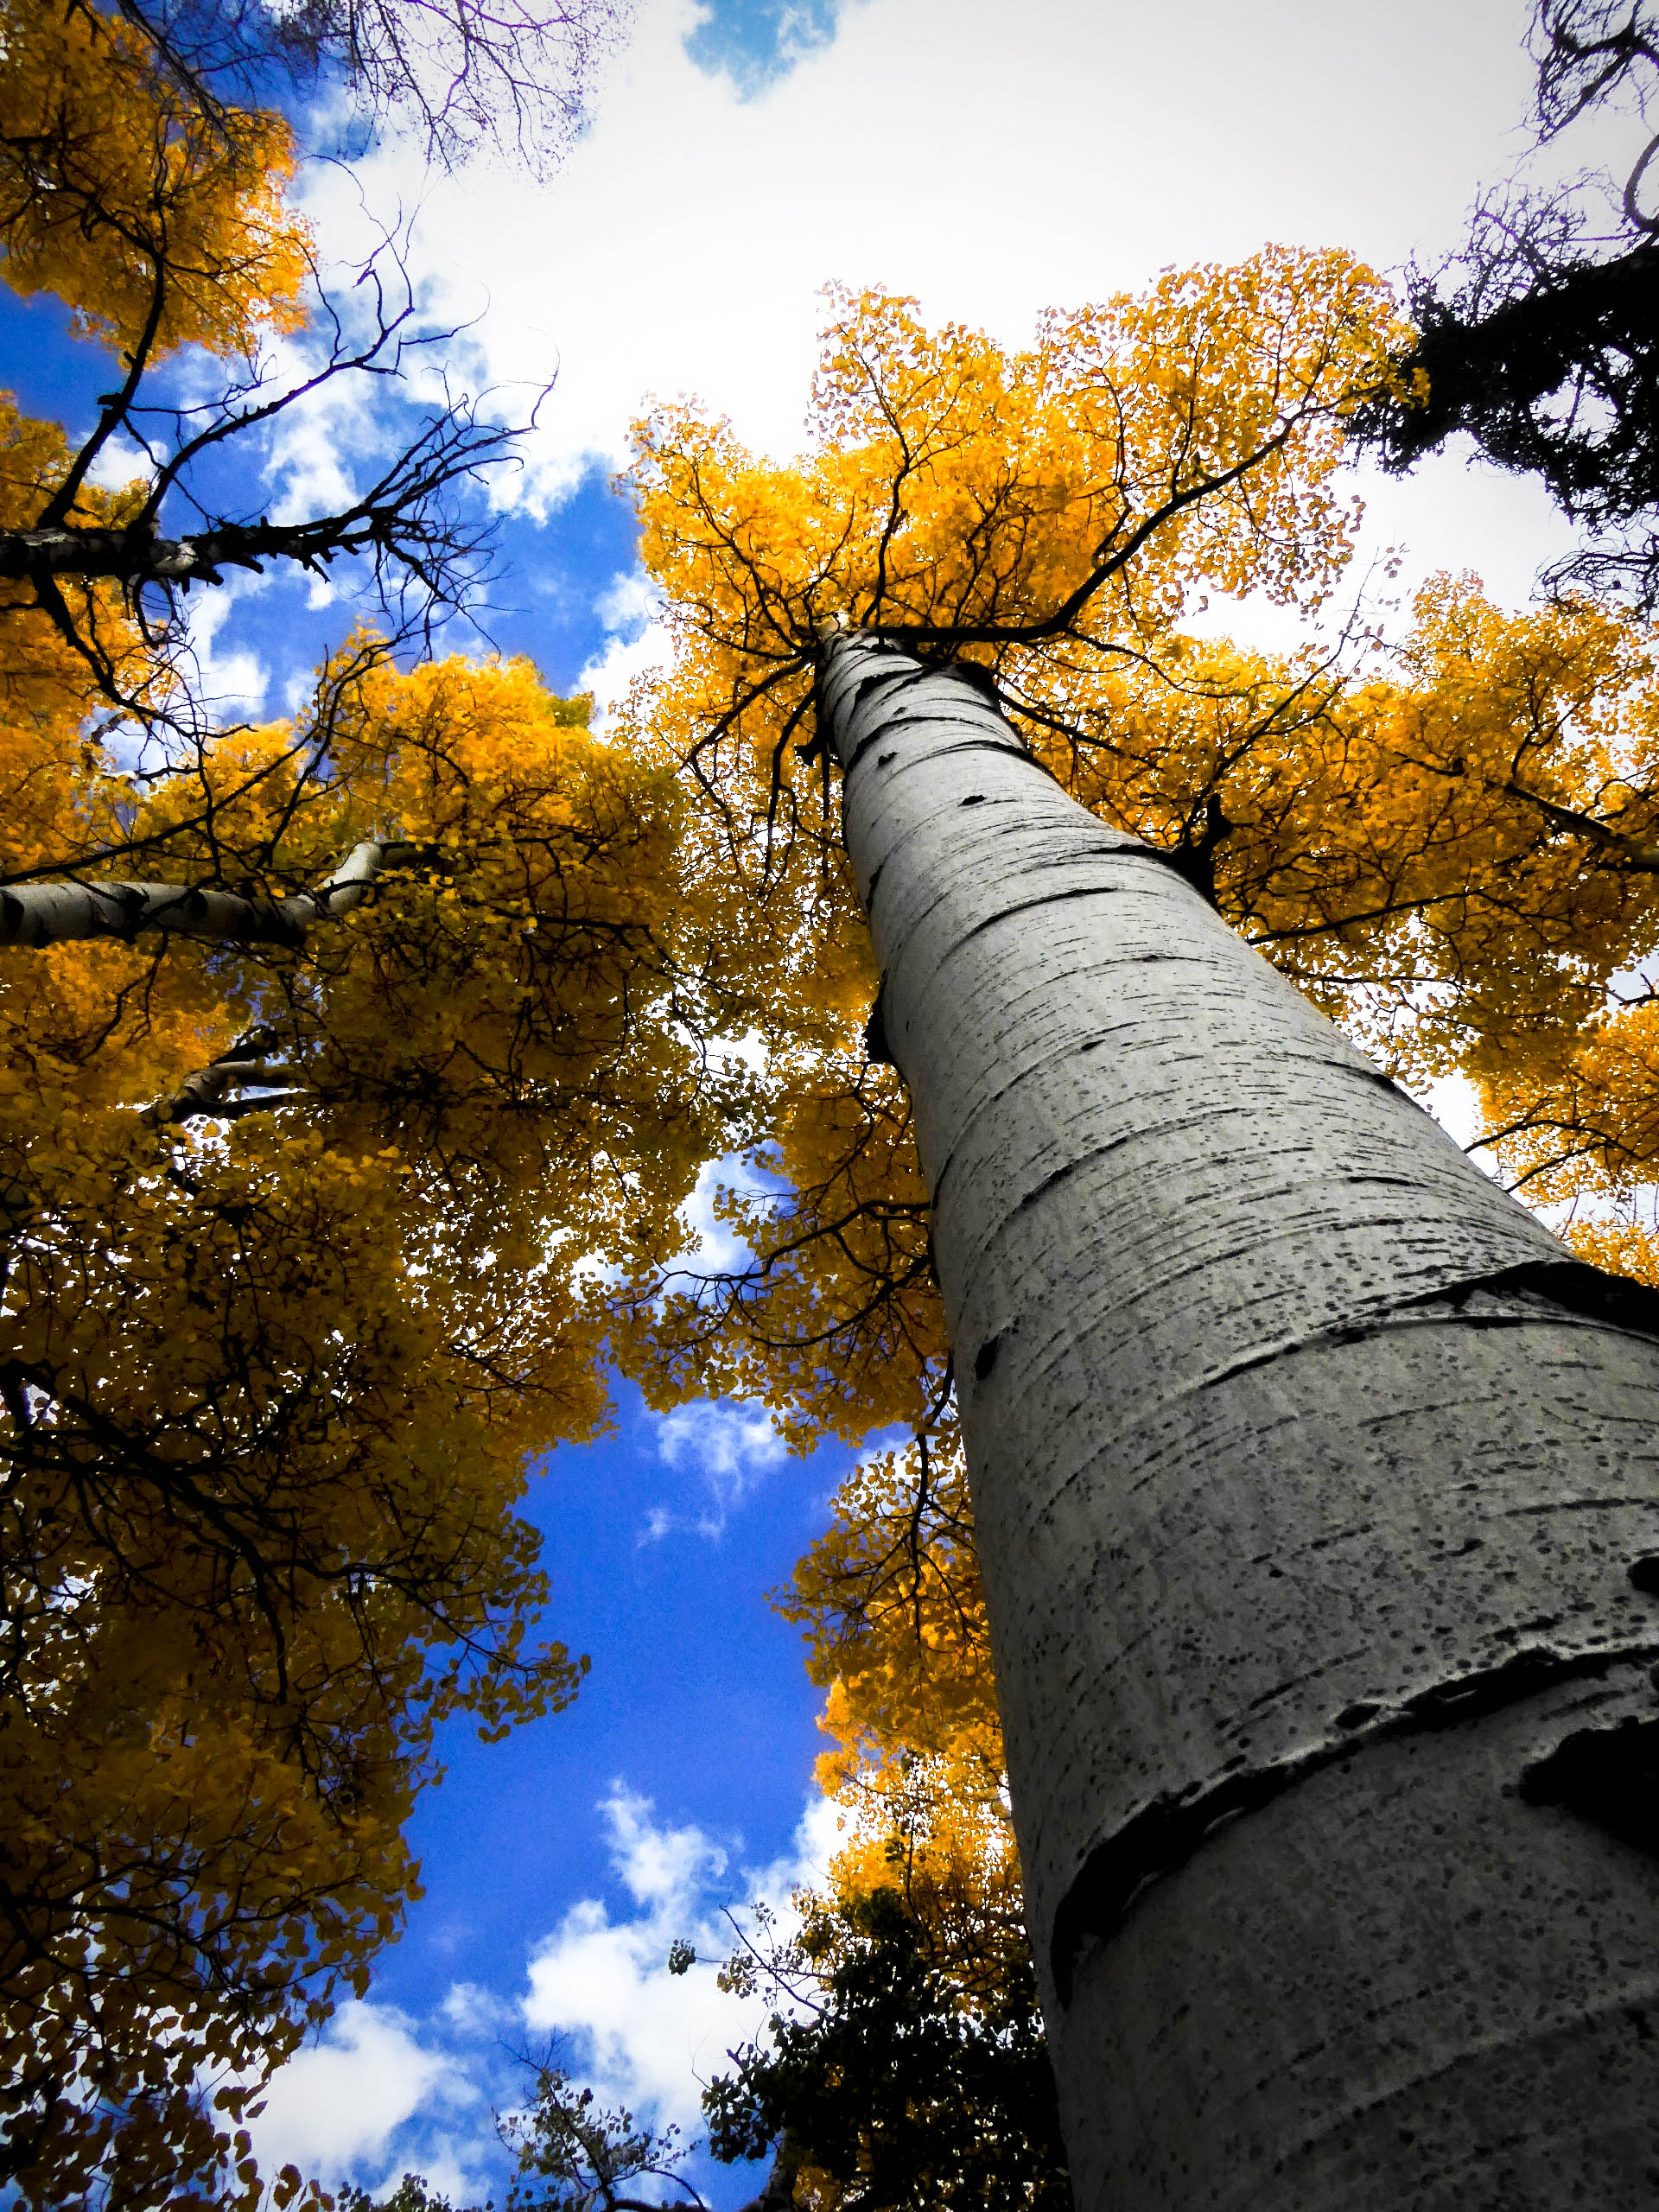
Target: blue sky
{"type": "Point", "coordinates": [993, 156]}
{"type": "Point", "coordinates": [684, 1768]}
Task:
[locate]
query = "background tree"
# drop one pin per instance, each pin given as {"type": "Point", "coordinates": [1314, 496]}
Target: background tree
{"type": "Point", "coordinates": [904, 2064]}
{"type": "Point", "coordinates": [508, 74]}
{"type": "Point", "coordinates": [569, 2152]}
{"type": "Point", "coordinates": [338, 1058]}
{"type": "Point", "coordinates": [303, 1195]}
{"type": "Point", "coordinates": [895, 2079]}
{"type": "Point", "coordinates": [163, 225]}
{"type": "Point", "coordinates": [1541, 339]}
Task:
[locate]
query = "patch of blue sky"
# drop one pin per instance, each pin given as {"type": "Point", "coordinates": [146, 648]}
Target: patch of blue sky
{"type": "Point", "coordinates": [549, 586]}
{"type": "Point", "coordinates": [696, 1723]}
{"type": "Point", "coordinates": [48, 370]}
{"type": "Point", "coordinates": [560, 1864]}
{"type": "Point", "coordinates": [550, 597]}
{"type": "Point", "coordinates": [755, 43]}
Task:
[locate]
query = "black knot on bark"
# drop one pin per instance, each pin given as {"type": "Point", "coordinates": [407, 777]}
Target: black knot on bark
{"type": "Point", "coordinates": [1607, 1775]}
{"type": "Point", "coordinates": [877, 1051]}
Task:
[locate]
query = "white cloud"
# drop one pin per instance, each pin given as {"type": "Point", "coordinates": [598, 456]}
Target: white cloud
{"type": "Point", "coordinates": [472, 2009]}
{"type": "Point", "coordinates": [729, 1448]}
{"type": "Point", "coordinates": [637, 642]}
{"type": "Point", "coordinates": [628, 603]}
{"type": "Point", "coordinates": [377, 2094]}
{"type": "Point", "coordinates": [717, 1250]}
{"type": "Point", "coordinates": [993, 156]}
{"type": "Point", "coordinates": [610, 673]}
{"type": "Point", "coordinates": [723, 1442]}
{"type": "Point", "coordinates": [230, 684]}
{"type": "Point", "coordinates": [119, 463]}
{"type": "Point", "coordinates": [336, 2106]}
{"type": "Point", "coordinates": [646, 2038]}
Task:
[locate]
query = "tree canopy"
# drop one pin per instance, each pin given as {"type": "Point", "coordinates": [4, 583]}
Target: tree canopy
{"type": "Point", "coordinates": [1541, 339]}
{"type": "Point", "coordinates": [353, 1070]}
{"type": "Point", "coordinates": [1447, 842]}
{"type": "Point", "coordinates": [1443, 835]}
{"type": "Point", "coordinates": [303, 1221]}
{"type": "Point", "coordinates": [342, 1058]}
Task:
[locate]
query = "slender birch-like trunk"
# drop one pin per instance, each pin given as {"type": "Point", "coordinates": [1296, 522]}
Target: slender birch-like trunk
{"type": "Point", "coordinates": [1317, 1492]}
{"type": "Point", "coordinates": [39, 914]}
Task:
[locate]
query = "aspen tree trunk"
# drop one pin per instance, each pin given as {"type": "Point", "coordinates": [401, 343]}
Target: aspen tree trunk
{"type": "Point", "coordinates": [1317, 1492]}
{"type": "Point", "coordinates": [38, 914]}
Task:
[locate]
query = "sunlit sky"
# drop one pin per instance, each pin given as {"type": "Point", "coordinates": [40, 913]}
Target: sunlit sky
{"type": "Point", "coordinates": [992, 157]}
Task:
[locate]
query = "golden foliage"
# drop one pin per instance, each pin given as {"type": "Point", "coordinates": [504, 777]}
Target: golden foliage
{"type": "Point", "coordinates": [303, 1230]}
{"type": "Point", "coordinates": [1451, 846]}
{"type": "Point", "coordinates": [891, 1598]}
{"type": "Point", "coordinates": [270, 1375]}
{"type": "Point", "coordinates": [156, 224]}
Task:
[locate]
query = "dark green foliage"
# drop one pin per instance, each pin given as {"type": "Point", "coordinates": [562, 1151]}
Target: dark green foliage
{"type": "Point", "coordinates": [912, 2092]}
{"type": "Point", "coordinates": [1561, 378]}
{"type": "Point", "coordinates": [411, 2195]}
{"type": "Point", "coordinates": [1546, 348]}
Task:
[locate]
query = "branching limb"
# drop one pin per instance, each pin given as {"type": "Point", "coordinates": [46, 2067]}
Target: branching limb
{"type": "Point", "coordinates": [38, 914]}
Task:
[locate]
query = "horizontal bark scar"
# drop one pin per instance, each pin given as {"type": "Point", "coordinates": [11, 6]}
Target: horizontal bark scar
{"type": "Point", "coordinates": [1581, 1292]}
{"type": "Point", "coordinates": [1034, 1074]}
{"type": "Point", "coordinates": [1010, 747]}
{"type": "Point", "coordinates": [1158, 1840]}
{"type": "Point", "coordinates": [1059, 899]}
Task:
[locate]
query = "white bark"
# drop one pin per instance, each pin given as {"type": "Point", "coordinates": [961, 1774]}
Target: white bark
{"type": "Point", "coordinates": [1309, 1472]}
{"type": "Point", "coordinates": [56, 913]}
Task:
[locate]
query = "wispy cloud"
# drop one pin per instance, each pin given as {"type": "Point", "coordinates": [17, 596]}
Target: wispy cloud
{"type": "Point", "coordinates": [637, 642]}
{"type": "Point", "coordinates": [728, 1448]}
{"type": "Point", "coordinates": [230, 684]}
{"type": "Point", "coordinates": [607, 276]}
{"type": "Point", "coordinates": [379, 2093]}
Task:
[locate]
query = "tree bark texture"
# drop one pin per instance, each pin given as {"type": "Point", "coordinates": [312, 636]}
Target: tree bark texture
{"type": "Point", "coordinates": [58, 913]}
{"type": "Point", "coordinates": [1317, 1492]}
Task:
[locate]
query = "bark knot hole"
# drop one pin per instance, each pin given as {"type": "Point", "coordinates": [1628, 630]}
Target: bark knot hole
{"type": "Point", "coordinates": [1607, 1775]}
{"type": "Point", "coordinates": [985, 1357]}
{"type": "Point", "coordinates": [885, 760]}
{"type": "Point", "coordinates": [877, 1050]}
{"type": "Point", "coordinates": [1644, 1575]}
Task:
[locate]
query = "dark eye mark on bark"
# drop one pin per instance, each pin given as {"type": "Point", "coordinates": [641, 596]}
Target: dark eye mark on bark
{"type": "Point", "coordinates": [886, 759]}
{"type": "Point", "coordinates": [974, 799]}
{"type": "Point", "coordinates": [1356, 1716]}
{"type": "Point", "coordinates": [985, 1357]}
{"type": "Point", "coordinates": [975, 674]}
{"type": "Point", "coordinates": [877, 1051]}
{"type": "Point", "coordinates": [1606, 1776]}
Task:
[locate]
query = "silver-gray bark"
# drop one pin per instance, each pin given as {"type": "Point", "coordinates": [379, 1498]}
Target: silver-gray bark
{"type": "Point", "coordinates": [1317, 1492]}
{"type": "Point", "coordinates": [57, 913]}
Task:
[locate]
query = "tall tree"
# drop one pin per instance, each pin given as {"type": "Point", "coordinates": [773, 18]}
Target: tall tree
{"type": "Point", "coordinates": [1310, 1486]}
{"type": "Point", "coordinates": [904, 2065]}
{"type": "Point", "coordinates": [510, 74]}
{"type": "Point", "coordinates": [1309, 1481]}
{"type": "Point", "coordinates": [164, 225]}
